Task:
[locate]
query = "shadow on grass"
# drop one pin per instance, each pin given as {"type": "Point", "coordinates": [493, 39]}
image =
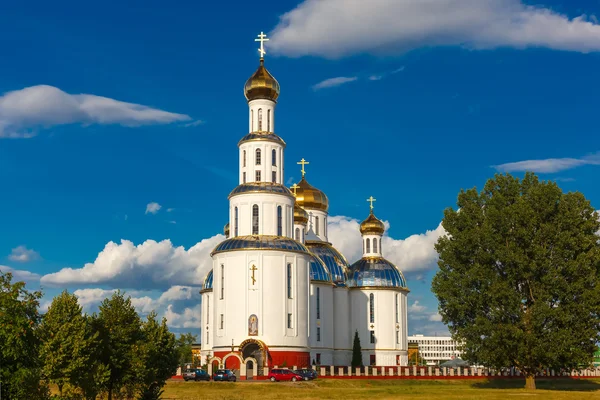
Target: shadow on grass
{"type": "Point", "coordinates": [561, 384]}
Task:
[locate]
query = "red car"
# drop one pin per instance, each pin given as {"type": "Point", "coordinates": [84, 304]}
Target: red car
{"type": "Point", "coordinates": [279, 374]}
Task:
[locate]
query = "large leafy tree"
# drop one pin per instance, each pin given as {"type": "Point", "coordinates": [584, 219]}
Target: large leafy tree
{"type": "Point", "coordinates": [184, 347]}
{"type": "Point", "coordinates": [157, 358]}
{"type": "Point", "coordinates": [120, 332]}
{"type": "Point", "coordinates": [19, 341]}
{"type": "Point", "coordinates": [519, 276]}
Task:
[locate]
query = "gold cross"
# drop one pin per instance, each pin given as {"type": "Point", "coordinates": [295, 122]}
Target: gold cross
{"type": "Point", "coordinates": [371, 200]}
{"type": "Point", "coordinates": [262, 38]}
{"type": "Point", "coordinates": [253, 269]}
{"type": "Point", "coordinates": [303, 162]}
{"type": "Point", "coordinates": [294, 188]}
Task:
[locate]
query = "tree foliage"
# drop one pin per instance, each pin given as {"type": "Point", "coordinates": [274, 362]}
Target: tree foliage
{"type": "Point", "coordinates": [356, 352]}
{"type": "Point", "coordinates": [519, 276]}
{"type": "Point", "coordinates": [184, 347]}
{"type": "Point", "coordinates": [20, 376]}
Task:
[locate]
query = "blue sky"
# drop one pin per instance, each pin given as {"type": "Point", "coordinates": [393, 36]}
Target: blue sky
{"type": "Point", "coordinates": [108, 108]}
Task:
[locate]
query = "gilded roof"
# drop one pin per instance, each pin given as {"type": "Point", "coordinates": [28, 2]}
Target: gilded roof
{"type": "Point", "coordinates": [375, 272]}
{"type": "Point", "coordinates": [226, 230]}
{"type": "Point", "coordinates": [300, 215]}
{"type": "Point", "coordinates": [372, 225]}
{"type": "Point", "coordinates": [261, 85]}
{"type": "Point", "coordinates": [334, 261]}
{"type": "Point", "coordinates": [261, 187]}
{"type": "Point", "coordinates": [260, 242]}
{"type": "Point", "coordinates": [309, 197]}
{"type": "Point", "coordinates": [262, 135]}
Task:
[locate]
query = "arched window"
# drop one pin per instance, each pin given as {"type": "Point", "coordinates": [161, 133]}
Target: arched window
{"type": "Point", "coordinates": [279, 222]}
{"type": "Point", "coordinates": [397, 307]}
{"type": "Point", "coordinates": [244, 159]}
{"type": "Point", "coordinates": [325, 225]}
{"type": "Point", "coordinates": [317, 225]}
{"type": "Point", "coordinates": [372, 308]}
{"type": "Point", "coordinates": [260, 119]}
{"type": "Point", "coordinates": [222, 281]}
{"type": "Point", "coordinates": [374, 245]}
{"type": "Point", "coordinates": [274, 157]}
{"type": "Point", "coordinates": [318, 303]}
{"type": "Point", "coordinates": [252, 120]}
{"type": "Point", "coordinates": [255, 219]}
{"type": "Point", "coordinates": [368, 245]}
{"type": "Point", "coordinates": [298, 234]}
{"type": "Point", "coordinates": [289, 283]}
{"type": "Point", "coordinates": [269, 120]}
{"type": "Point", "coordinates": [257, 157]}
{"type": "Point", "coordinates": [235, 224]}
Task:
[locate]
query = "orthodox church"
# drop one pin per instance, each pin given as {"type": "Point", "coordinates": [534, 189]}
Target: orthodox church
{"type": "Point", "coordinates": [279, 294]}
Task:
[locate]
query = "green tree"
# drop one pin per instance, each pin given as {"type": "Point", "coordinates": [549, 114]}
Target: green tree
{"type": "Point", "coordinates": [157, 358]}
{"type": "Point", "coordinates": [519, 276]}
{"type": "Point", "coordinates": [356, 352]}
{"type": "Point", "coordinates": [20, 376]}
{"type": "Point", "coordinates": [184, 347]}
{"type": "Point", "coordinates": [66, 343]}
{"type": "Point", "coordinates": [119, 326]}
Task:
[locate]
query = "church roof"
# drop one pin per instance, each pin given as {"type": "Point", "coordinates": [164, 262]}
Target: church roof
{"type": "Point", "coordinates": [261, 187]}
{"type": "Point", "coordinates": [266, 136]}
{"type": "Point", "coordinates": [260, 242]}
{"type": "Point", "coordinates": [261, 85]}
{"type": "Point", "coordinates": [309, 197]}
{"type": "Point", "coordinates": [208, 282]}
{"type": "Point", "coordinates": [333, 259]}
{"type": "Point", "coordinates": [318, 270]}
{"type": "Point", "coordinates": [375, 272]}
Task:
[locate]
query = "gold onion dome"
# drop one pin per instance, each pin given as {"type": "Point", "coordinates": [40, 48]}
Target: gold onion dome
{"type": "Point", "coordinates": [226, 230]}
{"type": "Point", "coordinates": [300, 216]}
{"type": "Point", "coordinates": [310, 197]}
{"type": "Point", "coordinates": [372, 225]}
{"type": "Point", "coordinates": [261, 85]}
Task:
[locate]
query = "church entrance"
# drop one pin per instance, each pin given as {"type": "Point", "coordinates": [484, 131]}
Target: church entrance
{"type": "Point", "coordinates": [253, 349]}
{"type": "Point", "coordinates": [249, 370]}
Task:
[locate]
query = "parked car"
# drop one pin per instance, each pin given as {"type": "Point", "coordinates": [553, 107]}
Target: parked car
{"type": "Point", "coordinates": [307, 374]}
{"type": "Point", "coordinates": [224, 375]}
{"type": "Point", "coordinates": [278, 374]}
{"type": "Point", "coordinates": [196, 375]}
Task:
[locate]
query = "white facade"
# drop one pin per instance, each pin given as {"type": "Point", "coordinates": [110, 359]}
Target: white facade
{"type": "Point", "coordinates": [436, 349]}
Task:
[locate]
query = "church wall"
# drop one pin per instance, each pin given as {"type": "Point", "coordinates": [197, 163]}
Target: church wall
{"type": "Point", "coordinates": [266, 166]}
{"type": "Point", "coordinates": [268, 109]}
{"type": "Point", "coordinates": [324, 346]}
{"type": "Point", "coordinates": [341, 322]}
{"type": "Point", "coordinates": [322, 216]}
{"type": "Point", "coordinates": [267, 205]}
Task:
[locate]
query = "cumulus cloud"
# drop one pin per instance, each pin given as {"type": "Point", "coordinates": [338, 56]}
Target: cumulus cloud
{"type": "Point", "coordinates": [549, 165]}
{"type": "Point", "coordinates": [416, 307]}
{"type": "Point", "coordinates": [333, 82]}
{"type": "Point", "coordinates": [415, 253]}
{"type": "Point", "coordinates": [152, 208]}
{"type": "Point", "coordinates": [329, 28]}
{"type": "Point", "coordinates": [23, 254]}
{"type": "Point", "coordinates": [149, 265]}
{"type": "Point", "coordinates": [189, 318]}
{"type": "Point", "coordinates": [435, 317]}
{"type": "Point", "coordinates": [23, 111]}
{"type": "Point", "coordinates": [20, 275]}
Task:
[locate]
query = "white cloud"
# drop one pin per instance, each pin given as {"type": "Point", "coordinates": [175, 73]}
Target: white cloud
{"type": "Point", "coordinates": [435, 317]}
{"type": "Point", "coordinates": [329, 28]}
{"type": "Point", "coordinates": [146, 266]}
{"type": "Point", "coordinates": [23, 111]}
{"type": "Point", "coordinates": [333, 82]}
{"type": "Point", "coordinates": [189, 318]}
{"type": "Point", "coordinates": [375, 77]}
{"type": "Point", "coordinates": [549, 165]}
{"type": "Point", "coordinates": [415, 253]}
{"type": "Point", "coordinates": [23, 254]}
{"type": "Point", "coordinates": [416, 307]}
{"type": "Point", "coordinates": [152, 208]}
{"type": "Point", "coordinates": [192, 124]}
{"type": "Point", "coordinates": [20, 275]}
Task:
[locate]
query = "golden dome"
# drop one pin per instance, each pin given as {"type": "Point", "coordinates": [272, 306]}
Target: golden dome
{"type": "Point", "coordinates": [226, 230]}
{"type": "Point", "coordinates": [261, 85]}
{"type": "Point", "coordinates": [300, 216]}
{"type": "Point", "coordinates": [372, 226]}
{"type": "Point", "coordinates": [309, 197]}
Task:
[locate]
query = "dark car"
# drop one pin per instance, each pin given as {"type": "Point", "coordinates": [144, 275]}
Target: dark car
{"type": "Point", "coordinates": [226, 375]}
{"type": "Point", "coordinates": [196, 375]}
{"type": "Point", "coordinates": [307, 374]}
{"type": "Point", "coordinates": [277, 374]}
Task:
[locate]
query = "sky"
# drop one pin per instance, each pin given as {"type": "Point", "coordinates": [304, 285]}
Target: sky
{"type": "Point", "coordinates": [119, 124]}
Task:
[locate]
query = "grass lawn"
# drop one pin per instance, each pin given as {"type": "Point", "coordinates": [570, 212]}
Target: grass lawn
{"type": "Point", "coordinates": [383, 389]}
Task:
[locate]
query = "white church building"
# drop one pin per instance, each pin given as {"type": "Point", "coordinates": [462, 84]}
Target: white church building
{"type": "Point", "coordinates": [279, 294]}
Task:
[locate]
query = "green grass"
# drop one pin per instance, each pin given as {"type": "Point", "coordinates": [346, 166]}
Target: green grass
{"type": "Point", "coordinates": [384, 389]}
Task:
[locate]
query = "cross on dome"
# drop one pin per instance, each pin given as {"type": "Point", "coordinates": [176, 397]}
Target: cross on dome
{"type": "Point", "coordinates": [295, 188]}
{"type": "Point", "coordinates": [262, 38]}
{"type": "Point", "coordinates": [303, 162]}
{"type": "Point", "coordinates": [371, 200]}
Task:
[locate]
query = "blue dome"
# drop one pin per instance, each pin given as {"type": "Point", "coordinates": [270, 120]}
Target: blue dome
{"type": "Point", "coordinates": [261, 187]}
{"type": "Point", "coordinates": [333, 259]}
{"type": "Point", "coordinates": [260, 242]}
{"type": "Point", "coordinates": [375, 272]}
{"type": "Point", "coordinates": [208, 281]}
{"type": "Point", "coordinates": [318, 270]}
{"type": "Point", "coordinates": [266, 136]}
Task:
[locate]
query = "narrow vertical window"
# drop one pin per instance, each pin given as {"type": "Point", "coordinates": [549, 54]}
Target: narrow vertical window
{"type": "Point", "coordinates": [317, 225]}
{"type": "Point", "coordinates": [368, 245]}
{"type": "Point", "coordinates": [298, 234]}
{"type": "Point", "coordinates": [235, 223]}
{"type": "Point", "coordinates": [274, 176]}
{"type": "Point", "coordinates": [269, 120]}
{"type": "Point", "coordinates": [397, 307]}
{"type": "Point", "coordinates": [222, 281]}
{"type": "Point", "coordinates": [279, 221]}
{"type": "Point", "coordinates": [260, 119]}
{"type": "Point", "coordinates": [397, 337]}
{"type": "Point", "coordinates": [207, 310]}
{"type": "Point", "coordinates": [371, 308]}
{"type": "Point", "coordinates": [289, 321]}
{"type": "Point", "coordinates": [257, 159]}
{"type": "Point", "coordinates": [257, 176]}
{"type": "Point", "coordinates": [274, 158]}
{"type": "Point", "coordinates": [255, 219]}
{"type": "Point", "coordinates": [252, 120]}
{"type": "Point", "coordinates": [222, 323]}
{"type": "Point", "coordinates": [374, 245]}
{"type": "Point", "coordinates": [325, 225]}
{"type": "Point", "coordinates": [318, 303]}
{"type": "Point", "coordinates": [289, 281]}
{"type": "Point", "coordinates": [318, 334]}
{"type": "Point", "coordinates": [243, 177]}
{"type": "Point", "coordinates": [244, 159]}
{"type": "Point", "coordinates": [372, 336]}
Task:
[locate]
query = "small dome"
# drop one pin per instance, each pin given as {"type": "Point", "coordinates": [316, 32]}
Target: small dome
{"type": "Point", "coordinates": [334, 261]}
{"type": "Point", "coordinates": [261, 85]}
{"type": "Point", "coordinates": [372, 225]}
{"type": "Point", "coordinates": [226, 230]}
{"type": "Point", "coordinates": [208, 281]}
{"type": "Point", "coordinates": [300, 216]}
{"type": "Point", "coordinates": [318, 270]}
{"type": "Point", "coordinates": [309, 197]}
{"type": "Point", "coordinates": [375, 272]}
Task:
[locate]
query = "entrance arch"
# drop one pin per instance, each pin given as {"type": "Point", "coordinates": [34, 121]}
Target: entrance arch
{"type": "Point", "coordinates": [256, 352]}
{"type": "Point", "coordinates": [232, 363]}
{"type": "Point", "coordinates": [213, 364]}
{"type": "Point", "coordinates": [251, 368]}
